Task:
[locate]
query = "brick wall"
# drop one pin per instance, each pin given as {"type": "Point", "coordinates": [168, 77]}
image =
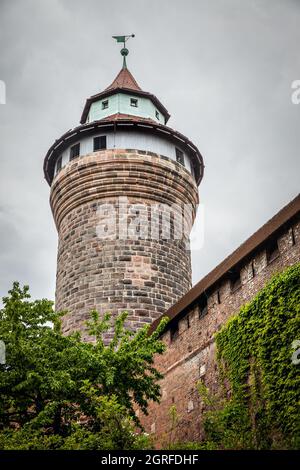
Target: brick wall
{"type": "Point", "coordinates": [190, 353]}
{"type": "Point", "coordinates": [143, 276]}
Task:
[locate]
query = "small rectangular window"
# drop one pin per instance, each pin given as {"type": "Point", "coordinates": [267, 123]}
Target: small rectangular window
{"type": "Point", "coordinates": [188, 323]}
{"type": "Point", "coordinates": [235, 280]}
{"type": "Point", "coordinates": [134, 102]}
{"type": "Point", "coordinates": [100, 143]}
{"type": "Point", "coordinates": [179, 156]}
{"type": "Point", "coordinates": [174, 331]}
{"type": "Point", "coordinates": [105, 104]}
{"type": "Point", "coordinates": [202, 305]}
{"type": "Point", "coordinates": [157, 114]}
{"type": "Point", "coordinates": [218, 297]}
{"type": "Point", "coordinates": [58, 164]}
{"type": "Point", "coordinates": [74, 151]}
{"type": "Point", "coordinates": [272, 251]}
{"type": "Point", "coordinates": [252, 268]}
{"type": "Point", "coordinates": [292, 235]}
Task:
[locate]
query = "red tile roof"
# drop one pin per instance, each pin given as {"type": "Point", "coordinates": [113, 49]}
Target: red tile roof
{"type": "Point", "coordinates": [124, 79]}
{"type": "Point", "coordinates": [127, 117]}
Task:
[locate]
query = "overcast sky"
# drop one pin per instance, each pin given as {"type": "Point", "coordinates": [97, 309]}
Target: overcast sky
{"type": "Point", "coordinates": [223, 69]}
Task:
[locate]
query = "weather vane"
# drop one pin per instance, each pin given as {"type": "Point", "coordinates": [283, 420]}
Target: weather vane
{"type": "Point", "coordinates": [124, 51]}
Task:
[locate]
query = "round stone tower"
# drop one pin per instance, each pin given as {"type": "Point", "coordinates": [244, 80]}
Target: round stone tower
{"type": "Point", "coordinates": [123, 196]}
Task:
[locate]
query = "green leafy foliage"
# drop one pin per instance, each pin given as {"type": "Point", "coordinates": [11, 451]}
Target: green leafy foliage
{"type": "Point", "coordinates": [170, 441]}
{"type": "Point", "coordinates": [58, 392]}
{"type": "Point", "coordinates": [255, 361]}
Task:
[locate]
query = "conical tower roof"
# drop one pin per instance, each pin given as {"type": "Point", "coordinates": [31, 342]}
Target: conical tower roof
{"type": "Point", "coordinates": [124, 79]}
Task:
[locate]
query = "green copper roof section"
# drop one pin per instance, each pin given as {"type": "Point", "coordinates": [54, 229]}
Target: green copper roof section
{"type": "Point", "coordinates": [125, 103]}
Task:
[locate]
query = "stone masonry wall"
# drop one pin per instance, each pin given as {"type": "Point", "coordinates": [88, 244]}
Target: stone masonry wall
{"type": "Point", "coordinates": [143, 276]}
{"type": "Point", "coordinates": [190, 355]}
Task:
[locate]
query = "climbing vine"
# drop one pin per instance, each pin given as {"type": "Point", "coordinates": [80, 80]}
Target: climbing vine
{"type": "Point", "coordinates": [254, 351]}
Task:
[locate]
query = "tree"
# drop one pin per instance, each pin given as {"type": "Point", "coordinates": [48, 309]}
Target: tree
{"type": "Point", "coordinates": [60, 392]}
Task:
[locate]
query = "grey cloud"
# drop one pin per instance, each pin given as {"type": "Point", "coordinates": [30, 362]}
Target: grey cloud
{"type": "Point", "coordinates": [222, 68]}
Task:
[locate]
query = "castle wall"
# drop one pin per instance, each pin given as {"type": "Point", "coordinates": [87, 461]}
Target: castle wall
{"type": "Point", "coordinates": [142, 276]}
{"type": "Point", "coordinates": [190, 353]}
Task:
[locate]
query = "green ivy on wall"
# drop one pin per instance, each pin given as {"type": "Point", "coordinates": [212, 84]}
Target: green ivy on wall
{"type": "Point", "coordinates": [258, 406]}
{"type": "Point", "coordinates": [255, 351]}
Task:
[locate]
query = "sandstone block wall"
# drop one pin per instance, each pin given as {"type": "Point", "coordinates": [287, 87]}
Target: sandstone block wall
{"type": "Point", "coordinates": [143, 276]}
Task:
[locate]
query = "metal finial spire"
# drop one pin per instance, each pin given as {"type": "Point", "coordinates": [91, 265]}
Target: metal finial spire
{"type": "Point", "coordinates": [124, 51]}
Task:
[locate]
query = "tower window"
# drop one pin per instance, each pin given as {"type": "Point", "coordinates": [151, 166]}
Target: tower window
{"type": "Point", "coordinates": [58, 164]}
{"type": "Point", "coordinates": [272, 251]}
{"type": "Point", "coordinates": [193, 170]}
{"type": "Point", "coordinates": [105, 104]}
{"type": "Point", "coordinates": [100, 143]}
{"type": "Point", "coordinates": [179, 156]}
{"type": "Point", "coordinates": [134, 102]}
{"type": "Point", "coordinates": [74, 151]}
{"type": "Point", "coordinates": [157, 114]}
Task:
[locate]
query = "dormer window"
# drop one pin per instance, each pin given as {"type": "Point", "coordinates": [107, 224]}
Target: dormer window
{"type": "Point", "coordinates": [105, 104]}
{"type": "Point", "coordinates": [272, 251]}
{"type": "Point", "coordinates": [74, 151]}
{"type": "Point", "coordinates": [202, 306]}
{"type": "Point", "coordinates": [157, 114]}
{"type": "Point", "coordinates": [235, 280]}
{"type": "Point", "coordinates": [134, 102]}
{"type": "Point", "coordinates": [174, 331]}
{"type": "Point", "coordinates": [179, 156]}
{"type": "Point", "coordinates": [99, 143]}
